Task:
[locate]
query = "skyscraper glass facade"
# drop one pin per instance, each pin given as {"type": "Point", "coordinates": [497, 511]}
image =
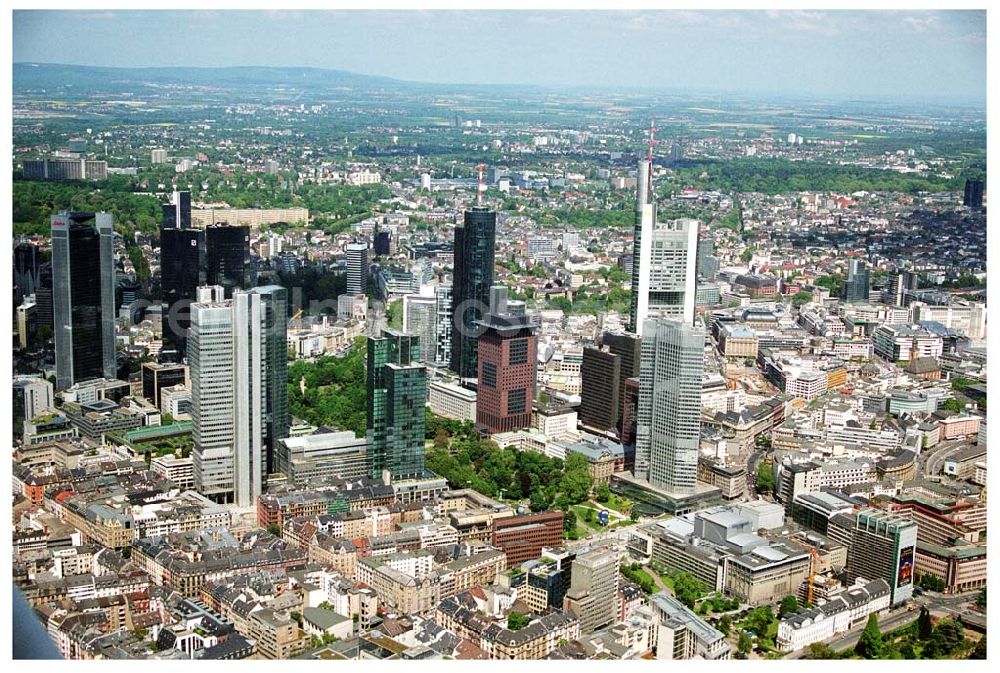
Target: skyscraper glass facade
{"type": "Point", "coordinates": [475, 244]}
{"type": "Point", "coordinates": [83, 297]}
{"type": "Point", "coordinates": [397, 394]}
{"type": "Point", "coordinates": [228, 257]}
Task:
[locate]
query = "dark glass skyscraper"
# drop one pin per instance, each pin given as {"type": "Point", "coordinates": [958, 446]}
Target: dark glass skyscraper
{"type": "Point", "coordinates": [627, 347]}
{"type": "Point", "coordinates": [83, 296]}
{"type": "Point", "coordinates": [43, 296]}
{"type": "Point", "coordinates": [274, 301]}
{"type": "Point", "coordinates": [475, 243]}
{"type": "Point", "coordinates": [857, 285]}
{"type": "Point", "coordinates": [397, 393]}
{"type": "Point", "coordinates": [27, 269]}
{"type": "Point", "coordinates": [183, 268]}
{"type": "Point", "coordinates": [228, 257]}
{"type": "Point", "coordinates": [600, 374]}
{"type": "Point", "coordinates": [156, 377]}
{"type": "Point", "coordinates": [382, 243]}
{"type": "Point", "coordinates": [177, 213]}
{"type": "Point", "coordinates": [973, 197]}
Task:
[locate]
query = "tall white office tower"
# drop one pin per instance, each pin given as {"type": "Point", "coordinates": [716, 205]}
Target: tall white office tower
{"type": "Point", "coordinates": [210, 355]}
{"type": "Point", "coordinates": [420, 319]}
{"type": "Point", "coordinates": [664, 274]}
{"type": "Point", "coordinates": [672, 270]}
{"type": "Point", "coordinates": [645, 218]}
{"type": "Point", "coordinates": [664, 261]}
{"type": "Point", "coordinates": [227, 350]}
{"type": "Point", "coordinates": [357, 268]}
{"type": "Point", "coordinates": [668, 419]}
{"type": "Point", "coordinates": [443, 326]}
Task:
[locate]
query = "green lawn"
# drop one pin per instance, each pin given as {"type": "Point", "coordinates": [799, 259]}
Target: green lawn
{"type": "Point", "coordinates": [668, 581]}
{"type": "Point", "coordinates": [581, 523]}
{"type": "Point", "coordinates": [665, 576]}
{"type": "Point", "coordinates": [642, 578]}
{"type": "Point", "coordinates": [595, 507]}
{"type": "Point", "coordinates": [617, 503]}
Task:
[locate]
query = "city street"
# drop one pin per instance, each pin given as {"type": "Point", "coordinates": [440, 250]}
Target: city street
{"type": "Point", "coordinates": [933, 461]}
{"type": "Point", "coordinates": [848, 640]}
{"type": "Point", "coordinates": [939, 605]}
{"type": "Point", "coordinates": [376, 319]}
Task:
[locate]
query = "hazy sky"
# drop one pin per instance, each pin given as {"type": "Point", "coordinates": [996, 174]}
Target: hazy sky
{"type": "Point", "coordinates": [885, 54]}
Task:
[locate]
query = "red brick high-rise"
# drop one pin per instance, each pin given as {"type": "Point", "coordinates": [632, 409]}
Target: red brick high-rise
{"type": "Point", "coordinates": [507, 365]}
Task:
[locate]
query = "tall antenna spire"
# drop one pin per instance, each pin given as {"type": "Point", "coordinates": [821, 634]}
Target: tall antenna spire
{"type": "Point", "coordinates": [481, 188]}
{"type": "Point", "coordinates": [652, 131]}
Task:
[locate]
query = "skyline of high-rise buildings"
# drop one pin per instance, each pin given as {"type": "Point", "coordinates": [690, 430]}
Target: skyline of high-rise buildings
{"type": "Point", "coordinates": [663, 349]}
{"type": "Point", "coordinates": [415, 412]}
{"type": "Point", "coordinates": [192, 257]}
{"type": "Point", "coordinates": [665, 264]}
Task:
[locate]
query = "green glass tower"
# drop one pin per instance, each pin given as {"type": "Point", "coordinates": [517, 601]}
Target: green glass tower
{"type": "Point", "coordinates": [397, 394]}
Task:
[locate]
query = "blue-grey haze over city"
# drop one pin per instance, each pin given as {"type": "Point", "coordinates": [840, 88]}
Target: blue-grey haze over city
{"type": "Point", "coordinates": [882, 54]}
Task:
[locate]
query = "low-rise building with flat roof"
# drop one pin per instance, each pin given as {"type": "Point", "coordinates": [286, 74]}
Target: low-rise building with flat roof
{"type": "Point", "coordinates": [684, 635]}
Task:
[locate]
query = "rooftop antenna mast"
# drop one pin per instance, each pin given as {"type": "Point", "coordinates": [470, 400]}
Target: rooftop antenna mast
{"type": "Point", "coordinates": [652, 131]}
{"type": "Point", "coordinates": [481, 187]}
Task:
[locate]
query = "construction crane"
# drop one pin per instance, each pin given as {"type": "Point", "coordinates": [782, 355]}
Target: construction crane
{"type": "Point", "coordinates": [297, 320]}
{"type": "Point", "coordinates": [813, 563]}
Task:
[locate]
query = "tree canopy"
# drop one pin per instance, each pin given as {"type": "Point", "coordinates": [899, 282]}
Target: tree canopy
{"type": "Point", "coordinates": [789, 604]}
{"type": "Point", "coordinates": [335, 390]}
{"type": "Point", "coordinates": [517, 621]}
{"type": "Point", "coordinates": [765, 477]}
{"type": "Point", "coordinates": [870, 645]}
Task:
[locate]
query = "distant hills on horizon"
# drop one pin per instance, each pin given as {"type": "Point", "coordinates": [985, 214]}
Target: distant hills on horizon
{"type": "Point", "coordinates": [114, 79]}
{"type": "Point", "coordinates": [44, 75]}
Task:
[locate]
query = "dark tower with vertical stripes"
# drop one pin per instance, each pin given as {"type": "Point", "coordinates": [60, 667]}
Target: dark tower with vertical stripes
{"type": "Point", "coordinates": [475, 247]}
